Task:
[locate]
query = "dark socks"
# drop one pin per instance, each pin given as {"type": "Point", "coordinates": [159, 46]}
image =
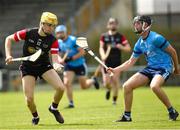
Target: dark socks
{"type": "Point", "coordinates": [114, 98]}
{"type": "Point", "coordinates": [54, 105]}
{"type": "Point", "coordinates": [170, 109]}
{"type": "Point", "coordinates": [35, 114]}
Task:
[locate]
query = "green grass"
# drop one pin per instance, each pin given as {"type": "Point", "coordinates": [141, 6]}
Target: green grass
{"type": "Point", "coordinates": [91, 111]}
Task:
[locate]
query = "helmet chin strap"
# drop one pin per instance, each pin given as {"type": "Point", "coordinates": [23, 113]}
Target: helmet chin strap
{"type": "Point", "coordinates": [137, 32]}
{"type": "Point", "coordinates": [143, 29]}
{"type": "Point", "coordinates": [147, 28]}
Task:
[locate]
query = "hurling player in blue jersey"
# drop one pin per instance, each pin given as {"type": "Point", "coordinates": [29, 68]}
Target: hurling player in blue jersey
{"type": "Point", "coordinates": [161, 60]}
{"type": "Point", "coordinates": [74, 63]}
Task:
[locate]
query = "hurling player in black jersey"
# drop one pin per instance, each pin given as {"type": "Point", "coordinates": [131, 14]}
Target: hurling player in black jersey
{"type": "Point", "coordinates": [117, 43]}
{"type": "Point", "coordinates": [35, 39]}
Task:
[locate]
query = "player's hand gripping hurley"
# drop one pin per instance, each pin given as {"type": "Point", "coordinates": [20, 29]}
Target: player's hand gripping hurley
{"type": "Point", "coordinates": [82, 42]}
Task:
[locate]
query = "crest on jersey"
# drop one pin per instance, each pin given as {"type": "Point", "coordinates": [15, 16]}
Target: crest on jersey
{"type": "Point", "coordinates": [31, 50]}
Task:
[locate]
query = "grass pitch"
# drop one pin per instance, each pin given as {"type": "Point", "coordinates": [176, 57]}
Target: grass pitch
{"type": "Point", "coordinates": [91, 111]}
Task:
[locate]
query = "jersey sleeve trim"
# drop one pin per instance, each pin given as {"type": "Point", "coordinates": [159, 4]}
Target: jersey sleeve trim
{"type": "Point", "coordinates": [124, 40]}
{"type": "Point", "coordinates": [137, 52]}
{"type": "Point", "coordinates": [55, 47]}
{"type": "Point", "coordinates": [163, 44]}
{"type": "Point", "coordinates": [20, 35]}
{"type": "Point", "coordinates": [19, 38]}
{"type": "Point", "coordinates": [101, 41]}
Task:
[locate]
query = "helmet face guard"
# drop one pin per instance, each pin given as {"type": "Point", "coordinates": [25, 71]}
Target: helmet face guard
{"type": "Point", "coordinates": [143, 19]}
{"type": "Point", "coordinates": [49, 18]}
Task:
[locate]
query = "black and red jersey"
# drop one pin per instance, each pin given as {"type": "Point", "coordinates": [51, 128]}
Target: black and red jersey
{"type": "Point", "coordinates": [33, 42]}
{"type": "Point", "coordinates": [113, 40]}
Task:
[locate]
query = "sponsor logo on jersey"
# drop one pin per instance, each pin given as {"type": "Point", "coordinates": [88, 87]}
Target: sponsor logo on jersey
{"type": "Point", "coordinates": [30, 40]}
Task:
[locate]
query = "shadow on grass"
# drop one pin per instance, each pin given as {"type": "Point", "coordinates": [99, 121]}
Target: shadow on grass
{"type": "Point", "coordinates": [84, 107]}
{"type": "Point", "coordinates": [69, 124]}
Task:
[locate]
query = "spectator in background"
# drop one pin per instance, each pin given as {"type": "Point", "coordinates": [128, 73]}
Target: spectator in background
{"type": "Point", "coordinates": [112, 43]}
{"type": "Point", "coordinates": [74, 63]}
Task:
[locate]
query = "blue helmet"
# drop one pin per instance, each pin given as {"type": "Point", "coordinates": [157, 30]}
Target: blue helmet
{"type": "Point", "coordinates": [61, 28]}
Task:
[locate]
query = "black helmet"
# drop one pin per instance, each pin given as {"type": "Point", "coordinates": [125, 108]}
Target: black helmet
{"type": "Point", "coordinates": [143, 18]}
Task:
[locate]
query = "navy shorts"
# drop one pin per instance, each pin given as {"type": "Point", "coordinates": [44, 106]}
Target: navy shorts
{"type": "Point", "coordinates": [151, 72]}
{"type": "Point", "coordinates": [34, 70]}
{"type": "Point", "coordinates": [78, 70]}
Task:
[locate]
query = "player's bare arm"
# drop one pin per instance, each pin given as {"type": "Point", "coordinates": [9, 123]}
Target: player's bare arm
{"type": "Point", "coordinates": [55, 58]}
{"type": "Point", "coordinates": [126, 65]}
{"type": "Point", "coordinates": [58, 67]}
{"type": "Point", "coordinates": [174, 56]}
{"type": "Point", "coordinates": [123, 67]}
{"type": "Point", "coordinates": [125, 48]}
{"type": "Point", "coordinates": [101, 51]}
{"type": "Point", "coordinates": [8, 43]}
{"type": "Point", "coordinates": [60, 58]}
{"type": "Point", "coordinates": [107, 51]}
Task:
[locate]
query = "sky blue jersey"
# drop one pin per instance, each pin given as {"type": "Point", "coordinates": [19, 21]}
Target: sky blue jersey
{"type": "Point", "coordinates": [69, 45]}
{"type": "Point", "coordinates": [153, 47]}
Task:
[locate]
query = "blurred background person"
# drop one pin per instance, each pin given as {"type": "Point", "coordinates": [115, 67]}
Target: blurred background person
{"type": "Point", "coordinates": [115, 43]}
{"type": "Point", "coordinates": [74, 63]}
